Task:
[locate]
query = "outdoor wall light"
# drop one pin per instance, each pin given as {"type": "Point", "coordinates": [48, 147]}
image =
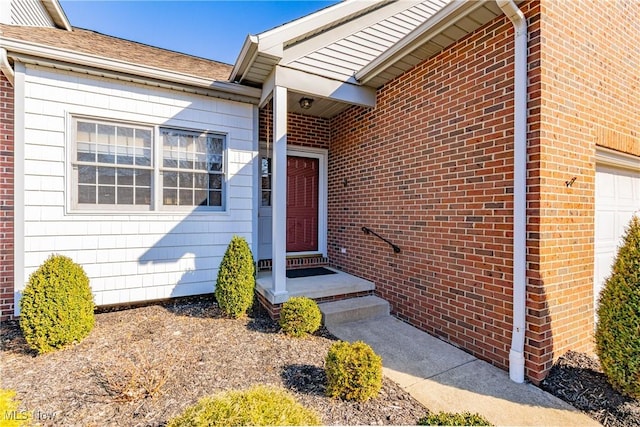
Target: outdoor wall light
{"type": "Point", "coordinates": [305, 103]}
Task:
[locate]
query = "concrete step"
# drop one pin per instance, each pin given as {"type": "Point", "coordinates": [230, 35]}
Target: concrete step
{"type": "Point", "coordinates": [353, 309]}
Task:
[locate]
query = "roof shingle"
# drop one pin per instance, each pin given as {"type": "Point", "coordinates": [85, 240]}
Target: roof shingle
{"type": "Point", "coordinates": [90, 42]}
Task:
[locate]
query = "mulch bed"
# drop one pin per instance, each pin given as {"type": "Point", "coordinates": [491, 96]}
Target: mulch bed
{"type": "Point", "coordinates": [142, 366]}
{"type": "Point", "coordinates": [577, 378]}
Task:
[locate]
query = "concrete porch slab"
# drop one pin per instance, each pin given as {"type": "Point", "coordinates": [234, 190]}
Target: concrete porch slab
{"type": "Point", "coordinates": [314, 287]}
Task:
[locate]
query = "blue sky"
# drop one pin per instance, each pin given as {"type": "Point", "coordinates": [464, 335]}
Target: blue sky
{"type": "Point", "coordinates": [209, 29]}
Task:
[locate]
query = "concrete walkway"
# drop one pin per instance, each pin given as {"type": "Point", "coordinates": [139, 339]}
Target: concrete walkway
{"type": "Point", "coordinates": [445, 378]}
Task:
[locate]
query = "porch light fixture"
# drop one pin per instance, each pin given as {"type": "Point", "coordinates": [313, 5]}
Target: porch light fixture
{"type": "Point", "coordinates": [305, 103]}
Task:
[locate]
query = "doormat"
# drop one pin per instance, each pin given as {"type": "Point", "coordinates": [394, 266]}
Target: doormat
{"type": "Point", "coordinates": [308, 272]}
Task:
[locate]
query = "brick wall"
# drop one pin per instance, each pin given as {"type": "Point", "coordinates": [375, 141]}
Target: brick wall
{"type": "Point", "coordinates": [585, 93]}
{"type": "Point", "coordinates": [302, 130]}
{"type": "Point", "coordinates": [6, 199]}
{"type": "Point", "coordinates": [431, 169]}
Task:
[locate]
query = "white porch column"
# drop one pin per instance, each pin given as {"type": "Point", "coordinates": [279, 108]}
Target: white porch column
{"type": "Point", "coordinates": [279, 194]}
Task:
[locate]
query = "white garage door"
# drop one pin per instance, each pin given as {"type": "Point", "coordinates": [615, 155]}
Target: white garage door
{"type": "Point", "coordinates": [617, 199]}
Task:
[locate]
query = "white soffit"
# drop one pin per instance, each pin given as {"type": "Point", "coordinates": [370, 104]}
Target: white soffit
{"type": "Point", "coordinates": [341, 51]}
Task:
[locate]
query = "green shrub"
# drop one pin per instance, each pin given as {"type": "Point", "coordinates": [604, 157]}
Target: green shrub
{"type": "Point", "coordinates": [618, 330]}
{"type": "Point", "coordinates": [236, 279]}
{"type": "Point", "coordinates": [300, 316]}
{"type": "Point", "coordinates": [56, 308]}
{"type": "Point", "coordinates": [258, 406]}
{"type": "Point", "coordinates": [449, 419]}
{"type": "Point", "coordinates": [354, 371]}
{"type": "Point", "coordinates": [10, 414]}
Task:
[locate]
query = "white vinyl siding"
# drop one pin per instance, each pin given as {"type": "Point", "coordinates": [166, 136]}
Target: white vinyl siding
{"type": "Point", "coordinates": [30, 13]}
{"type": "Point", "coordinates": [342, 58]}
{"type": "Point", "coordinates": [129, 255]}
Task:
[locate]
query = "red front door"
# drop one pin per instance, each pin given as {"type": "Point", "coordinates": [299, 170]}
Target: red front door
{"type": "Point", "coordinates": [302, 204]}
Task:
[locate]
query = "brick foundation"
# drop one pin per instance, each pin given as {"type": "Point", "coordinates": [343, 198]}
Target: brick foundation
{"type": "Point", "coordinates": [273, 310]}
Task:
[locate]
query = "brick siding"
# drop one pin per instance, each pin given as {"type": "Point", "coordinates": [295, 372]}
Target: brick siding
{"type": "Point", "coordinates": [302, 130]}
{"type": "Point", "coordinates": [6, 199]}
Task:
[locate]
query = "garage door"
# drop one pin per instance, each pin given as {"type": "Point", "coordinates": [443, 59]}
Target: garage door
{"type": "Point", "coordinates": [617, 199]}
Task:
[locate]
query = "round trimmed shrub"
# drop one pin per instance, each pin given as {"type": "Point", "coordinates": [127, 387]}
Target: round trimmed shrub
{"type": "Point", "coordinates": [236, 279]}
{"type": "Point", "coordinates": [453, 419]}
{"type": "Point", "coordinates": [300, 316]}
{"type": "Point", "coordinates": [258, 406]}
{"type": "Point", "coordinates": [354, 371]}
{"type": "Point", "coordinates": [618, 329]}
{"type": "Point", "coordinates": [10, 414]}
{"type": "Point", "coordinates": [56, 308]}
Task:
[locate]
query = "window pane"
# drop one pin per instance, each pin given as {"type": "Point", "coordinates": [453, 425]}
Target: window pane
{"type": "Point", "coordinates": [106, 134]}
{"type": "Point", "coordinates": [106, 176]}
{"type": "Point", "coordinates": [186, 180]}
{"type": "Point", "coordinates": [186, 197]}
{"type": "Point", "coordinates": [143, 138]}
{"type": "Point", "coordinates": [266, 166]}
{"type": "Point", "coordinates": [143, 178]}
{"type": "Point", "coordinates": [87, 175]}
{"type": "Point", "coordinates": [201, 180]}
{"type": "Point", "coordinates": [106, 195]}
{"type": "Point", "coordinates": [215, 182]}
{"type": "Point", "coordinates": [143, 157]}
{"type": "Point", "coordinates": [170, 197]}
{"type": "Point", "coordinates": [215, 198]}
{"type": "Point", "coordinates": [266, 198]}
{"type": "Point", "coordinates": [125, 176]}
{"type": "Point", "coordinates": [143, 196]}
{"type": "Point", "coordinates": [86, 152]}
{"type": "Point", "coordinates": [170, 179]}
{"type": "Point", "coordinates": [125, 195]}
{"type": "Point", "coordinates": [125, 136]}
{"type": "Point", "coordinates": [266, 182]}
{"type": "Point", "coordinates": [86, 132]}
{"type": "Point", "coordinates": [200, 198]}
{"type": "Point", "coordinates": [106, 154]}
{"type": "Point", "coordinates": [87, 194]}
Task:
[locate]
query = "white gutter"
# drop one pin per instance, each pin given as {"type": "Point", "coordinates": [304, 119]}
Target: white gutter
{"type": "Point", "coordinates": [27, 49]}
{"type": "Point", "coordinates": [5, 67]}
{"type": "Point", "coordinates": [516, 355]}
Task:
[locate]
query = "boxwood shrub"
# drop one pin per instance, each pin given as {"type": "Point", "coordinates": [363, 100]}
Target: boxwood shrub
{"type": "Point", "coordinates": [258, 406]}
{"type": "Point", "coordinates": [56, 308]}
{"type": "Point", "coordinates": [453, 419]}
{"type": "Point", "coordinates": [354, 371]}
{"type": "Point", "coordinates": [236, 279]}
{"type": "Point", "coordinates": [300, 316]}
{"type": "Point", "coordinates": [618, 328]}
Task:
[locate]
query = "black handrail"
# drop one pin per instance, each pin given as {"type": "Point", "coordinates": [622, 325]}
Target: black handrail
{"type": "Point", "coordinates": [366, 230]}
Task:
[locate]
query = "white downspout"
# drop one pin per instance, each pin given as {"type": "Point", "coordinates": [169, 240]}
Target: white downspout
{"type": "Point", "coordinates": [6, 67]}
{"type": "Point", "coordinates": [516, 355]}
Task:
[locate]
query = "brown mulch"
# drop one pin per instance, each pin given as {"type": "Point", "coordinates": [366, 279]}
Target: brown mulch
{"type": "Point", "coordinates": [577, 378]}
{"type": "Point", "coordinates": [142, 366]}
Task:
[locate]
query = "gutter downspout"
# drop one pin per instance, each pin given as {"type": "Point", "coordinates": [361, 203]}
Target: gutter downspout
{"type": "Point", "coordinates": [516, 355]}
{"type": "Point", "coordinates": [6, 67]}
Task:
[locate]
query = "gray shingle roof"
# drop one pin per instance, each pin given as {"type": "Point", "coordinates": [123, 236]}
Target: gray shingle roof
{"type": "Point", "coordinates": [93, 43]}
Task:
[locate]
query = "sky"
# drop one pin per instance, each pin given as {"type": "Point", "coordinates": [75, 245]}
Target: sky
{"type": "Point", "coordinates": [209, 29]}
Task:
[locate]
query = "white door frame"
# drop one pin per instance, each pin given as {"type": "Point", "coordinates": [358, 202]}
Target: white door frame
{"type": "Point", "coordinates": [321, 155]}
{"type": "Point", "coordinates": [315, 153]}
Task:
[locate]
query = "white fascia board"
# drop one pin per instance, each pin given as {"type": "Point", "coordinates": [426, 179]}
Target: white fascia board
{"type": "Point", "coordinates": [245, 58]}
{"type": "Point", "coordinates": [57, 14]}
{"type": "Point", "coordinates": [267, 88]}
{"type": "Point", "coordinates": [26, 51]}
{"type": "Point", "coordinates": [272, 41]}
{"type": "Point", "coordinates": [442, 19]}
{"type": "Point", "coordinates": [311, 84]}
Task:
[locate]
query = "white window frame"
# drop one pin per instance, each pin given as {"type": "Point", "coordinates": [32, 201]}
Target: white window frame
{"type": "Point", "coordinates": [156, 206]}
